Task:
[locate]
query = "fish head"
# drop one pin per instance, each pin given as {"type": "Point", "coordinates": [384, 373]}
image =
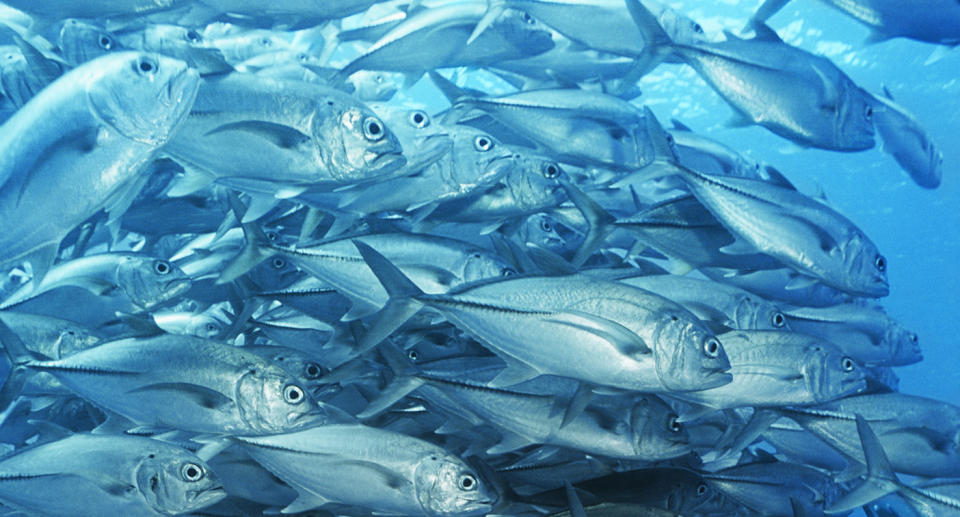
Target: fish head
{"type": "Point", "coordinates": [541, 229]}
{"type": "Point", "coordinates": [865, 268]}
{"type": "Point", "coordinates": [142, 96]}
{"type": "Point", "coordinates": [307, 371]}
{"type": "Point", "coordinates": [904, 344]}
{"type": "Point", "coordinates": [270, 400]}
{"type": "Point", "coordinates": [445, 485]}
{"type": "Point", "coordinates": [689, 356]}
{"type": "Point", "coordinates": [855, 126]}
{"type": "Point", "coordinates": [657, 433]}
{"type": "Point", "coordinates": [753, 312]}
{"type": "Point", "coordinates": [480, 264]}
{"type": "Point", "coordinates": [681, 28]}
{"type": "Point", "coordinates": [372, 85]}
{"type": "Point", "coordinates": [524, 32]}
{"type": "Point", "coordinates": [149, 281]}
{"type": "Point", "coordinates": [204, 325]}
{"type": "Point", "coordinates": [475, 159]}
{"type": "Point", "coordinates": [176, 481]}
{"type": "Point", "coordinates": [80, 41]}
{"type": "Point", "coordinates": [534, 184]}
{"type": "Point", "coordinates": [830, 374]}
{"type": "Point", "coordinates": [353, 143]}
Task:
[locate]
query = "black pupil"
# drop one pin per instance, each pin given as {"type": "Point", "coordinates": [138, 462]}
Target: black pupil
{"type": "Point", "coordinates": [192, 473]}
{"type": "Point", "coordinates": [145, 67]}
{"type": "Point", "coordinates": [161, 268]}
{"type": "Point", "coordinates": [413, 355]}
{"type": "Point", "coordinates": [467, 482]}
{"type": "Point", "coordinates": [482, 142]}
{"type": "Point", "coordinates": [701, 490]}
{"type": "Point", "coordinates": [294, 394]}
{"type": "Point", "coordinates": [278, 263]}
{"type": "Point", "coordinates": [312, 370]}
{"type": "Point", "coordinates": [418, 118]}
{"type": "Point", "coordinates": [104, 42]}
{"type": "Point", "coordinates": [374, 128]}
{"type": "Point", "coordinates": [712, 346]}
{"type": "Point", "coordinates": [546, 226]}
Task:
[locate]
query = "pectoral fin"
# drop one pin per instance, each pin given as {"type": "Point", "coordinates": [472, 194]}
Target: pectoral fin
{"type": "Point", "coordinates": [199, 395]}
{"type": "Point", "coordinates": [282, 136]}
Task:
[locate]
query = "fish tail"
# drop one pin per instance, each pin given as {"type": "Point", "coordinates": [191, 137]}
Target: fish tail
{"type": "Point", "coordinates": [257, 248]}
{"type": "Point", "coordinates": [881, 480]}
{"type": "Point", "coordinates": [653, 34]}
{"type": "Point", "coordinates": [18, 355]}
{"type": "Point", "coordinates": [600, 223]}
{"type": "Point", "coordinates": [403, 302]}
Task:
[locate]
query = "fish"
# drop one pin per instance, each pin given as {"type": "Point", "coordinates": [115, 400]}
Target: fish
{"type": "Point", "coordinates": [177, 382]}
{"type": "Point", "coordinates": [933, 21]}
{"type": "Point", "coordinates": [828, 112]}
{"type": "Point", "coordinates": [372, 468]}
{"type": "Point", "coordinates": [108, 474]}
{"type": "Point", "coordinates": [607, 339]}
{"type": "Point", "coordinates": [108, 129]}
{"type": "Point", "coordinates": [906, 140]}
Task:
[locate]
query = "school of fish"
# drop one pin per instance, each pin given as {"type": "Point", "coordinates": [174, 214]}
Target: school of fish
{"type": "Point", "coordinates": [246, 270]}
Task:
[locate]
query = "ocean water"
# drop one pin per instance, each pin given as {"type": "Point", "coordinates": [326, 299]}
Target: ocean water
{"type": "Point", "coordinates": [916, 229]}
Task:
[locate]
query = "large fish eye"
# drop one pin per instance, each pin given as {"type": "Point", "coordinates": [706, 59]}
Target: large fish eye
{"type": "Point", "coordinates": [193, 36]}
{"type": "Point", "coordinates": [528, 19]}
{"type": "Point", "coordinates": [162, 267]}
{"type": "Point", "coordinates": [191, 472]}
{"type": "Point", "coordinates": [467, 482]}
{"type": "Point", "coordinates": [711, 348]}
{"type": "Point", "coordinates": [292, 394]}
{"type": "Point", "coordinates": [372, 129]}
{"type": "Point", "coordinates": [106, 42]}
{"type": "Point", "coordinates": [697, 28]}
{"type": "Point", "coordinates": [482, 143]}
{"type": "Point", "coordinates": [847, 364]}
{"type": "Point", "coordinates": [701, 489]}
{"type": "Point", "coordinates": [868, 113]}
{"type": "Point", "coordinates": [146, 65]}
{"type": "Point", "coordinates": [881, 263]}
{"type": "Point", "coordinates": [419, 119]}
{"type": "Point", "coordinates": [508, 271]}
{"type": "Point", "coordinates": [674, 425]}
{"type": "Point", "coordinates": [777, 320]}
{"type": "Point", "coordinates": [551, 170]}
{"type": "Point", "coordinates": [312, 371]}
{"type": "Point", "coordinates": [546, 226]}
{"type": "Point", "coordinates": [213, 328]}
{"type": "Point", "coordinates": [914, 338]}
{"type": "Point", "coordinates": [278, 263]}
{"type": "Point", "coordinates": [413, 355]}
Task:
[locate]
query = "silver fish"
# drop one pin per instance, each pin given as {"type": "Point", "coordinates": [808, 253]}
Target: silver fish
{"type": "Point", "coordinates": [115, 112]}
{"type": "Point", "coordinates": [905, 139]}
{"type": "Point", "coordinates": [107, 475]}
{"type": "Point", "coordinates": [371, 468]}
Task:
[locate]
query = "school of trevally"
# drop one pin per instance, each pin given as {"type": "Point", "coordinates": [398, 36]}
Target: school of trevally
{"type": "Point", "coordinates": [641, 258]}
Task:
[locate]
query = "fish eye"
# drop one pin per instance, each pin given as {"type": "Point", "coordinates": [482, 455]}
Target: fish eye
{"type": "Point", "coordinates": [482, 143]}
{"type": "Point", "coordinates": [467, 482]}
{"type": "Point", "coordinates": [881, 263]}
{"type": "Point", "coordinates": [507, 271]}
{"type": "Point", "coordinates": [528, 19]}
{"type": "Point", "coordinates": [701, 489]}
{"type": "Point", "coordinates": [551, 170]}
{"type": "Point", "coordinates": [278, 263]}
{"type": "Point", "coordinates": [162, 267]}
{"type": "Point", "coordinates": [419, 119]}
{"type": "Point", "coordinates": [191, 472]}
{"type": "Point", "coordinates": [674, 424]}
{"type": "Point", "coordinates": [777, 320]}
{"type": "Point", "coordinates": [106, 42]}
{"type": "Point", "coordinates": [413, 355]}
{"type": "Point", "coordinates": [312, 371]}
{"type": "Point", "coordinates": [372, 129]}
{"type": "Point", "coordinates": [697, 28]}
{"type": "Point", "coordinates": [914, 338]}
{"type": "Point", "coordinates": [213, 327]}
{"type": "Point", "coordinates": [847, 364]}
{"type": "Point", "coordinates": [292, 394]}
{"type": "Point", "coordinates": [194, 36]}
{"type": "Point", "coordinates": [868, 113]}
{"type": "Point", "coordinates": [546, 226]}
{"type": "Point", "coordinates": [146, 65]}
{"type": "Point", "coordinates": [711, 348]}
{"type": "Point", "coordinates": [266, 42]}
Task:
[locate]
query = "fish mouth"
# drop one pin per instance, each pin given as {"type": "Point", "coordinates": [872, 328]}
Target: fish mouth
{"type": "Point", "coordinates": [716, 377]}
{"type": "Point", "coordinates": [851, 386]}
{"type": "Point", "coordinates": [203, 498]}
{"type": "Point", "coordinates": [385, 163]}
{"type": "Point", "coordinates": [177, 287]}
